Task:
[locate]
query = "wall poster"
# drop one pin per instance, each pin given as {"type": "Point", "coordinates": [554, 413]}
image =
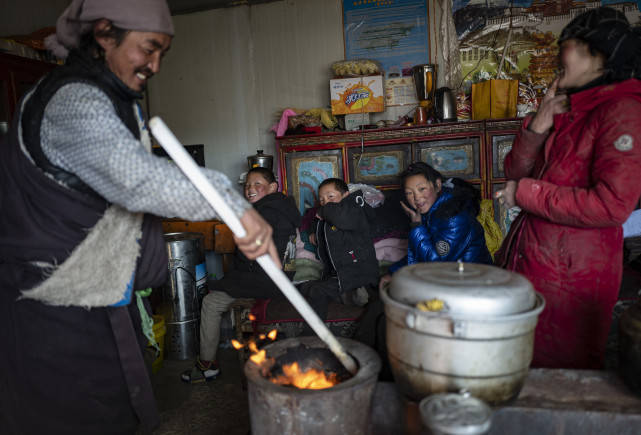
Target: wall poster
{"type": "Point", "coordinates": [392, 32]}
{"type": "Point", "coordinates": [529, 27]}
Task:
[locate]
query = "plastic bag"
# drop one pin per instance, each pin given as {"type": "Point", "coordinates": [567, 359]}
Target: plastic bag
{"type": "Point", "coordinates": [355, 68]}
{"type": "Point", "coordinates": [494, 99]}
{"type": "Point", "coordinates": [493, 234]}
{"type": "Point", "coordinates": [372, 196]}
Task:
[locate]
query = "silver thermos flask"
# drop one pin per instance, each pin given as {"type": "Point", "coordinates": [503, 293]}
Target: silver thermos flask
{"type": "Point", "coordinates": [445, 105]}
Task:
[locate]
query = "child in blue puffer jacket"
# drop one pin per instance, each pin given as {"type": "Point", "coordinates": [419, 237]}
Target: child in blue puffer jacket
{"type": "Point", "coordinates": [442, 218]}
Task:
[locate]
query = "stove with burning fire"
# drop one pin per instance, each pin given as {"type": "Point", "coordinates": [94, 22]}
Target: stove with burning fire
{"type": "Point", "coordinates": [297, 386]}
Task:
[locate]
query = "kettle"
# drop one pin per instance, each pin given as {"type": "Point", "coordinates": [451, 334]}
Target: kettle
{"type": "Point", "coordinates": [445, 105]}
{"type": "Point", "coordinates": [260, 160]}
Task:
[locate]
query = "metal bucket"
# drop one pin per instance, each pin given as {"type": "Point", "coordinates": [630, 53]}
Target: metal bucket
{"type": "Point", "coordinates": [182, 294]}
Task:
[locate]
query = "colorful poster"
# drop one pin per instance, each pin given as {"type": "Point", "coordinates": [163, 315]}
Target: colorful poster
{"type": "Point", "coordinates": [529, 29]}
{"type": "Point", "coordinates": [392, 32]}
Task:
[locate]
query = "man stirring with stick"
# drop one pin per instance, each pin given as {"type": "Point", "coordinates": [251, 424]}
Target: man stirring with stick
{"type": "Point", "coordinates": [80, 195]}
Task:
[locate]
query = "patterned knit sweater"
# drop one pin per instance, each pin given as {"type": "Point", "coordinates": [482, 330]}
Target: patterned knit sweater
{"type": "Point", "coordinates": [82, 134]}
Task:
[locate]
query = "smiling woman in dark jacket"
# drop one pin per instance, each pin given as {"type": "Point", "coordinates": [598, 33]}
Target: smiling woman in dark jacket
{"type": "Point", "coordinates": [247, 279]}
{"type": "Point", "coordinates": [443, 219]}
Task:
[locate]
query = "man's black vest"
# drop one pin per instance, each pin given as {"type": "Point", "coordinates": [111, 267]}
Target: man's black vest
{"type": "Point", "coordinates": [41, 219]}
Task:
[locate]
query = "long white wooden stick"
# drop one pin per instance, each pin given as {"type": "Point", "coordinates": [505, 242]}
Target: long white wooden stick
{"type": "Point", "coordinates": [184, 161]}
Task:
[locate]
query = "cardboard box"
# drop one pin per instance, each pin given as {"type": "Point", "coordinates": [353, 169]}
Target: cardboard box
{"type": "Point", "coordinates": [355, 120]}
{"type": "Point", "coordinates": [357, 95]}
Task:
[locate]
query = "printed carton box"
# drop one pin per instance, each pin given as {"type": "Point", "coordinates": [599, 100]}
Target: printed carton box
{"type": "Point", "coordinates": [357, 95]}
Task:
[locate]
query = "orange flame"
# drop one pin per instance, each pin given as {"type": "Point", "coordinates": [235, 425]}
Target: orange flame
{"type": "Point", "coordinates": [258, 357]}
{"type": "Point", "coordinates": [311, 379]}
{"type": "Point", "coordinates": [252, 346]}
{"type": "Point", "coordinates": [252, 317]}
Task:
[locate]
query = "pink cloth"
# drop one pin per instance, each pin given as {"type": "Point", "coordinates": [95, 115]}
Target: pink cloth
{"type": "Point", "coordinates": [391, 249]}
{"type": "Point", "coordinates": [281, 127]}
{"type": "Point", "coordinates": [301, 252]}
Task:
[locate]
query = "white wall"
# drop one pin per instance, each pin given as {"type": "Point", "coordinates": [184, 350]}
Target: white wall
{"type": "Point", "coordinates": [231, 72]}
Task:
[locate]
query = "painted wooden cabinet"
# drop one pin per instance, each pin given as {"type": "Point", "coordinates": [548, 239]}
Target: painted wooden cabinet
{"type": "Point", "coordinates": [471, 150]}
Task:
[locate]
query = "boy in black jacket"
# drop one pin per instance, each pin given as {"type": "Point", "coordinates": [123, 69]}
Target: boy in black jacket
{"type": "Point", "coordinates": [344, 246]}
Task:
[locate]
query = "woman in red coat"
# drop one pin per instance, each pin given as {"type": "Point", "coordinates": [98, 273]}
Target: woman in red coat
{"type": "Point", "coordinates": [574, 170]}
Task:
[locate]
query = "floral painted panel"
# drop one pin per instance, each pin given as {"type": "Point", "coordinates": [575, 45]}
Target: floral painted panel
{"type": "Point", "coordinates": [378, 165]}
{"type": "Point", "coordinates": [452, 157]}
{"type": "Point", "coordinates": [306, 170]}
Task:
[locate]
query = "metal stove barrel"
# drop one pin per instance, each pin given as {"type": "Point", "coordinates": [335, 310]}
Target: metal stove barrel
{"type": "Point", "coordinates": [182, 294]}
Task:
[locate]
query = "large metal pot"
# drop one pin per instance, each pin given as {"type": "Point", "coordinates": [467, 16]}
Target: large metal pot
{"type": "Point", "coordinates": [479, 338]}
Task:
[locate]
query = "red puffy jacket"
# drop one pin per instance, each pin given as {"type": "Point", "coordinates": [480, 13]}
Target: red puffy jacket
{"type": "Point", "coordinates": [576, 185]}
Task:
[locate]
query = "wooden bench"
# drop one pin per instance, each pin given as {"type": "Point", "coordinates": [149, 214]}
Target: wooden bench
{"type": "Point", "coordinates": [279, 314]}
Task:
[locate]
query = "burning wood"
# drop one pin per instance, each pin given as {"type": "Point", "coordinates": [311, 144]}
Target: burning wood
{"type": "Point", "coordinates": [310, 380]}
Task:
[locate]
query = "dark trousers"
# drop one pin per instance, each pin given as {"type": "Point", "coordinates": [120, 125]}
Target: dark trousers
{"type": "Point", "coordinates": [371, 331]}
{"type": "Point", "coordinates": [319, 293]}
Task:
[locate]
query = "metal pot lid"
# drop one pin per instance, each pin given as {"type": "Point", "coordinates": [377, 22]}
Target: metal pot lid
{"type": "Point", "coordinates": [455, 414]}
{"type": "Point", "coordinates": [260, 159]}
{"type": "Point", "coordinates": [463, 288]}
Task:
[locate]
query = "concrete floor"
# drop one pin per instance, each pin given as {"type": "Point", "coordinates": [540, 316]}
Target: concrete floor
{"type": "Point", "coordinates": [215, 407]}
